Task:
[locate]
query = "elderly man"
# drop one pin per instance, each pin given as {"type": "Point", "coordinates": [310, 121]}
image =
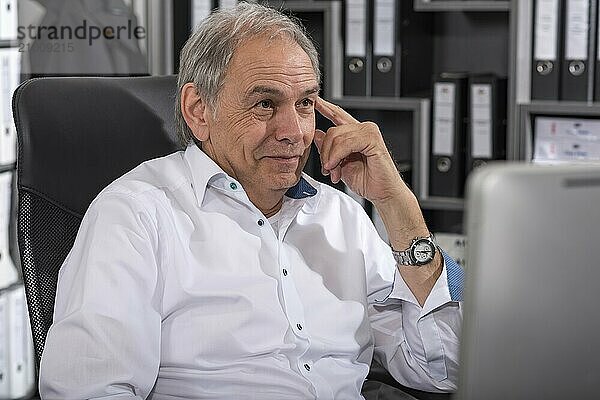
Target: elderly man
{"type": "Point", "coordinates": [223, 272]}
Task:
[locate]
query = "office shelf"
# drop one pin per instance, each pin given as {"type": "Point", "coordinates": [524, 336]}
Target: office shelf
{"type": "Point", "coordinates": [7, 168]}
{"type": "Point", "coordinates": [9, 43]}
{"type": "Point", "coordinates": [464, 5]}
{"type": "Point", "coordinates": [562, 108]}
{"type": "Point", "coordinates": [442, 203]}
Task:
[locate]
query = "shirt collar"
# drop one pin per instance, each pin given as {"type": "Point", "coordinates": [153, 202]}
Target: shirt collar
{"type": "Point", "coordinates": [203, 169]}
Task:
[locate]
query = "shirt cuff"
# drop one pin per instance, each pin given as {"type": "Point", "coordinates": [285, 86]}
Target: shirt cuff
{"type": "Point", "coordinates": [448, 287]}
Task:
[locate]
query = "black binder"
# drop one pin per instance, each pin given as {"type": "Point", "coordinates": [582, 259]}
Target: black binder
{"type": "Point", "coordinates": [486, 139]}
{"type": "Point", "coordinates": [386, 48]}
{"type": "Point", "coordinates": [405, 69]}
{"type": "Point", "coordinates": [547, 49]}
{"type": "Point", "coordinates": [448, 131]}
{"type": "Point", "coordinates": [356, 48]}
{"type": "Point", "coordinates": [578, 31]}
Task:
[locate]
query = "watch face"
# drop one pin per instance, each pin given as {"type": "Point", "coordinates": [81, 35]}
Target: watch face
{"type": "Point", "coordinates": [423, 251]}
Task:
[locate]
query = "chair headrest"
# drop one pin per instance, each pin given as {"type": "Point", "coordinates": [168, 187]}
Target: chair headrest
{"type": "Point", "coordinates": [76, 135]}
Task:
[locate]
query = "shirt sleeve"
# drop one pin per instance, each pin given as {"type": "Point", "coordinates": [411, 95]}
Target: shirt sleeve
{"type": "Point", "coordinates": [418, 345]}
{"type": "Point", "coordinates": [105, 337]}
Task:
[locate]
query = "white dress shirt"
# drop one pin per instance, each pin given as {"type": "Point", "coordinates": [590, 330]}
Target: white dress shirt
{"type": "Point", "coordinates": [177, 286]}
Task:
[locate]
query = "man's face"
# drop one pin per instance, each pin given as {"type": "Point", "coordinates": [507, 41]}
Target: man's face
{"type": "Point", "coordinates": [264, 123]}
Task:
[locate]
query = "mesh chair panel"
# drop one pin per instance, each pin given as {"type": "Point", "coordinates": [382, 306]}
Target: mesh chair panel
{"type": "Point", "coordinates": [41, 259]}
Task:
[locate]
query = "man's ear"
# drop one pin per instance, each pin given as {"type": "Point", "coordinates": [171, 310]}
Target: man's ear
{"type": "Point", "coordinates": [195, 111]}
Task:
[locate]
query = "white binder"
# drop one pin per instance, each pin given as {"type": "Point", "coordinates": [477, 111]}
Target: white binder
{"type": "Point", "coordinates": [21, 372]}
{"type": "Point", "coordinates": [17, 368]}
{"type": "Point", "coordinates": [4, 384]}
{"type": "Point", "coordinates": [8, 272]}
{"type": "Point", "coordinates": [8, 20]}
{"type": "Point", "coordinates": [10, 69]}
{"type": "Point", "coordinates": [200, 10]}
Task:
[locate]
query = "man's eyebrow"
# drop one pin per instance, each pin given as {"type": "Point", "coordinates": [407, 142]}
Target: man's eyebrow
{"type": "Point", "coordinates": [265, 90]}
{"type": "Point", "coordinates": [312, 90]}
{"type": "Point", "coordinates": [276, 92]}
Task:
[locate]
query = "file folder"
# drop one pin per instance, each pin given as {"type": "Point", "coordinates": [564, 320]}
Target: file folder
{"type": "Point", "coordinates": [4, 362]}
{"type": "Point", "coordinates": [227, 3]}
{"type": "Point", "coordinates": [356, 62]}
{"type": "Point", "coordinates": [576, 77]}
{"type": "Point", "coordinates": [446, 169]}
{"type": "Point", "coordinates": [402, 49]}
{"type": "Point", "coordinates": [9, 80]}
{"type": "Point", "coordinates": [200, 10]}
{"type": "Point", "coordinates": [558, 140]}
{"type": "Point", "coordinates": [454, 245]}
{"type": "Point", "coordinates": [8, 272]}
{"type": "Point", "coordinates": [596, 56]}
{"type": "Point", "coordinates": [386, 61]}
{"type": "Point", "coordinates": [8, 20]}
{"type": "Point", "coordinates": [20, 353]}
{"type": "Point", "coordinates": [547, 50]}
{"type": "Point", "coordinates": [486, 139]}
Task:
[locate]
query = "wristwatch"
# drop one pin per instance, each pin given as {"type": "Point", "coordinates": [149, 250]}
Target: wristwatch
{"type": "Point", "coordinates": [421, 251]}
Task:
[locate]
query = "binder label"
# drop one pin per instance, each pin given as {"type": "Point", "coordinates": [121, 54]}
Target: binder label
{"type": "Point", "coordinates": [356, 28]}
{"type": "Point", "coordinates": [228, 3]}
{"type": "Point", "coordinates": [383, 28]}
{"type": "Point", "coordinates": [443, 119]}
{"type": "Point", "coordinates": [200, 10]}
{"type": "Point", "coordinates": [546, 30]}
{"type": "Point", "coordinates": [577, 29]}
{"type": "Point", "coordinates": [481, 121]}
{"type": "Point", "coordinates": [8, 20]}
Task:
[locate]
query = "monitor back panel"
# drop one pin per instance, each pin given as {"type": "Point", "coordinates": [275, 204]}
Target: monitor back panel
{"type": "Point", "coordinates": [532, 308]}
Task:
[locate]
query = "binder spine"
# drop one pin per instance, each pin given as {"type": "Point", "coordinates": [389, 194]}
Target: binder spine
{"type": "Point", "coordinates": [386, 61]}
{"type": "Point", "coordinates": [447, 156]}
{"type": "Point", "coordinates": [547, 49]}
{"type": "Point", "coordinates": [575, 64]}
{"type": "Point", "coordinates": [356, 49]}
{"type": "Point", "coordinates": [486, 138]}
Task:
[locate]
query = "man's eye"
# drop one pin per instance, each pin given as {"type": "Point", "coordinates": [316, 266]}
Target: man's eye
{"type": "Point", "coordinates": [306, 103]}
{"type": "Point", "coordinates": [265, 104]}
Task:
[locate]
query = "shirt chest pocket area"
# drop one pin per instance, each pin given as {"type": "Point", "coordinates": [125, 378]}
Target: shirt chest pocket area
{"type": "Point", "coordinates": [226, 303]}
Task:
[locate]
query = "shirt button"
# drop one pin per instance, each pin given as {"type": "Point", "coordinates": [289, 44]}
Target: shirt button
{"type": "Point", "coordinates": [260, 222]}
{"type": "Point", "coordinates": [284, 272]}
{"type": "Point", "coordinates": [307, 367]}
{"type": "Point", "coordinates": [233, 186]}
{"type": "Point", "coordinates": [299, 327]}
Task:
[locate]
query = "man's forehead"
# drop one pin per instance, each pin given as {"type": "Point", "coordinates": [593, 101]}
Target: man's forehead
{"type": "Point", "coordinates": [269, 52]}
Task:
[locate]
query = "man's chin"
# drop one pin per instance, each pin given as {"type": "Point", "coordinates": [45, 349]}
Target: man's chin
{"type": "Point", "coordinates": [283, 181]}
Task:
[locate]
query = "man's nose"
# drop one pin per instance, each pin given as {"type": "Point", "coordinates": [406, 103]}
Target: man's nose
{"type": "Point", "coordinates": [289, 125]}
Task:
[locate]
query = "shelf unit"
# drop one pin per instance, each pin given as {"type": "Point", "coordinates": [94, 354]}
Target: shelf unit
{"type": "Point", "coordinates": [520, 140]}
{"type": "Point", "coordinates": [471, 36]}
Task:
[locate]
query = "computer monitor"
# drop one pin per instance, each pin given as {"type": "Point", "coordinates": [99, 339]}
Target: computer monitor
{"type": "Point", "coordinates": [531, 326]}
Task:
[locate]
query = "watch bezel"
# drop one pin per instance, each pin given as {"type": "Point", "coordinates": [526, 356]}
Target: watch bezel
{"type": "Point", "coordinates": [413, 249]}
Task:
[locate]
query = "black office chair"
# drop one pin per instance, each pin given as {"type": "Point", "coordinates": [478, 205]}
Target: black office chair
{"type": "Point", "coordinates": [75, 136]}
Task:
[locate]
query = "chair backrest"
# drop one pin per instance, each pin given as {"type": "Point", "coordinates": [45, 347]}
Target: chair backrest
{"type": "Point", "coordinates": [75, 136]}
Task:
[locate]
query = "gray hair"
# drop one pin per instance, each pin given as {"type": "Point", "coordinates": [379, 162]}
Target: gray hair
{"type": "Point", "coordinates": [206, 54]}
